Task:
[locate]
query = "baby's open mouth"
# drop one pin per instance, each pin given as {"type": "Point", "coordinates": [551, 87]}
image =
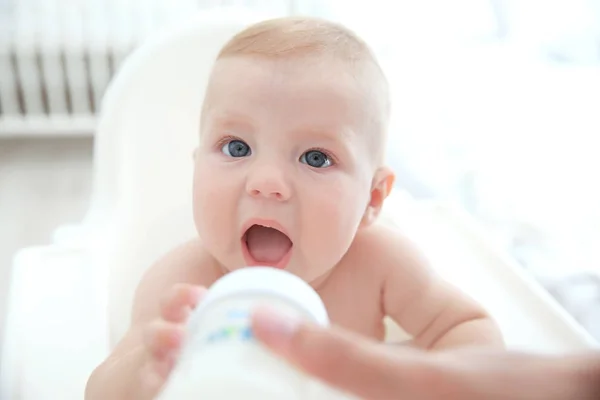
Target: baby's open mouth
{"type": "Point", "coordinates": [267, 245]}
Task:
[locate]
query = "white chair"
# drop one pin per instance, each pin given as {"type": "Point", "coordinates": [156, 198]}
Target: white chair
{"type": "Point", "coordinates": [70, 301]}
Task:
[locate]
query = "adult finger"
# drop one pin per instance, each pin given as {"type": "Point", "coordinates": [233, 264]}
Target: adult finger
{"type": "Point", "coordinates": [349, 362]}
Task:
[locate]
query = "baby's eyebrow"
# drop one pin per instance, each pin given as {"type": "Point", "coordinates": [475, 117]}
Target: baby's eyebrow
{"type": "Point", "coordinates": [229, 120]}
{"type": "Point", "coordinates": [336, 134]}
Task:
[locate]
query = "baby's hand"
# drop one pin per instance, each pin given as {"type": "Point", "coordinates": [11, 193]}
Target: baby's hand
{"type": "Point", "coordinates": [164, 336]}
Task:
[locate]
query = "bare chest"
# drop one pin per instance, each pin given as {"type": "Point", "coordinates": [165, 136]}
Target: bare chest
{"type": "Point", "coordinates": [353, 300]}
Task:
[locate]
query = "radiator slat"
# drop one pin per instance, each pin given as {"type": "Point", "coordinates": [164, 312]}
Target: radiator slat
{"type": "Point", "coordinates": [8, 84]}
{"type": "Point", "coordinates": [75, 65]}
{"type": "Point", "coordinates": [25, 62]}
{"type": "Point", "coordinates": [55, 83]}
{"type": "Point", "coordinates": [50, 52]}
{"type": "Point", "coordinates": [96, 32]}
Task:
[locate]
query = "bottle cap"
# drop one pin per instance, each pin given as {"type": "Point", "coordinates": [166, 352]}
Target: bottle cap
{"type": "Point", "coordinates": [267, 281]}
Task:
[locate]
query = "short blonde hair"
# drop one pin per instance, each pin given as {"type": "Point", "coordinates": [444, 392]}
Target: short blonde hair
{"type": "Point", "coordinates": [297, 36]}
{"type": "Point", "coordinates": [290, 37]}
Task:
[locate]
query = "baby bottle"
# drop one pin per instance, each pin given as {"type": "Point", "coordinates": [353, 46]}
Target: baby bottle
{"type": "Point", "coordinates": [221, 360]}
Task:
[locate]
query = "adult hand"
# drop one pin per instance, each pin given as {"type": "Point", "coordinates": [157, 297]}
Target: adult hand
{"type": "Point", "coordinates": [374, 371]}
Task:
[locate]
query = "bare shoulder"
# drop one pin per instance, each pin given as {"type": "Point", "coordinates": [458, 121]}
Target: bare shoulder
{"type": "Point", "coordinates": [188, 263]}
{"type": "Point", "coordinates": [401, 271]}
{"type": "Point", "coordinates": [389, 246]}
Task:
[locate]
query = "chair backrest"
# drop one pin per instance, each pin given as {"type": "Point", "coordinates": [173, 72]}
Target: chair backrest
{"type": "Point", "coordinates": [148, 130]}
{"type": "Point", "coordinates": [147, 133]}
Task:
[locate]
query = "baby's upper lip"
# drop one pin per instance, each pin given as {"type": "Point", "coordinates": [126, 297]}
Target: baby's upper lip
{"type": "Point", "coordinates": [269, 223]}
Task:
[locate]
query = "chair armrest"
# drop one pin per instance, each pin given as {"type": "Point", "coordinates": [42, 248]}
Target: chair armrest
{"type": "Point", "coordinates": [529, 317]}
{"type": "Point", "coordinates": [56, 327]}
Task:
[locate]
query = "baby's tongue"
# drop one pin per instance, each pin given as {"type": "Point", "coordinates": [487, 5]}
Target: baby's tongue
{"type": "Point", "coordinates": [267, 244]}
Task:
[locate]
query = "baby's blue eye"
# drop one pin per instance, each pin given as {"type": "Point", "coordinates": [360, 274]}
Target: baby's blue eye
{"type": "Point", "coordinates": [236, 148]}
{"type": "Point", "coordinates": [316, 159]}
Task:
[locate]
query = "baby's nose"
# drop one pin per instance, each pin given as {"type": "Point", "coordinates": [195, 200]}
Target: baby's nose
{"type": "Point", "coordinates": [268, 183]}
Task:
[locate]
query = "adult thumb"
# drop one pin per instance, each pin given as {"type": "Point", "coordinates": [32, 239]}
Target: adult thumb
{"type": "Point", "coordinates": [359, 366]}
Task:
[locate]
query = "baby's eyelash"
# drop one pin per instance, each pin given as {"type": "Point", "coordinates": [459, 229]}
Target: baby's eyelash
{"type": "Point", "coordinates": [329, 154]}
{"type": "Point", "coordinates": [226, 139]}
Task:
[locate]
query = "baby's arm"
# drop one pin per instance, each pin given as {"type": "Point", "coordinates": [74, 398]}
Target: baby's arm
{"type": "Point", "coordinates": [121, 375]}
{"type": "Point", "coordinates": [435, 313]}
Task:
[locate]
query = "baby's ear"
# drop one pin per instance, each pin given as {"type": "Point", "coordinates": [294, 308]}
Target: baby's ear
{"type": "Point", "coordinates": [383, 182]}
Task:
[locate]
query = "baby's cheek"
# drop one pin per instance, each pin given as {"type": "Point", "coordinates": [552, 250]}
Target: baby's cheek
{"type": "Point", "coordinates": [334, 224]}
{"type": "Point", "coordinates": [210, 203]}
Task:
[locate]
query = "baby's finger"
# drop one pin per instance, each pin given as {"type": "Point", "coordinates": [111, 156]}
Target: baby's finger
{"type": "Point", "coordinates": [152, 381]}
{"type": "Point", "coordinates": [160, 369]}
{"type": "Point", "coordinates": [163, 339]}
{"type": "Point", "coordinates": [153, 376]}
{"type": "Point", "coordinates": [178, 302]}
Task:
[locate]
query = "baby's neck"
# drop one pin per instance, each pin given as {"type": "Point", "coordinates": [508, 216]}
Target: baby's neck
{"type": "Point", "coordinates": [320, 282]}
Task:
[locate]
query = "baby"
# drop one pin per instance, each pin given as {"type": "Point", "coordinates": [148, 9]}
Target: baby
{"type": "Point", "coordinates": [289, 173]}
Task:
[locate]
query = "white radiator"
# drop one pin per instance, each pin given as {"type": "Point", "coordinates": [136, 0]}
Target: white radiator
{"type": "Point", "coordinates": [57, 56]}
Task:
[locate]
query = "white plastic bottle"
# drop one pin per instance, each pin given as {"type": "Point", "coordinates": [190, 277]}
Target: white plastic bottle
{"type": "Point", "coordinates": [221, 360]}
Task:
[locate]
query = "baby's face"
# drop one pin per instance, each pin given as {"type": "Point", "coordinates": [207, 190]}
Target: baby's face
{"type": "Point", "coordinates": [284, 171]}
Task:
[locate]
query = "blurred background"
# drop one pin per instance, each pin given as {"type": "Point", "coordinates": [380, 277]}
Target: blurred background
{"type": "Point", "coordinates": [496, 110]}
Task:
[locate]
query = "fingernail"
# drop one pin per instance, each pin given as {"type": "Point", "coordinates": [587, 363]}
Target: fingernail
{"type": "Point", "coordinates": [274, 323]}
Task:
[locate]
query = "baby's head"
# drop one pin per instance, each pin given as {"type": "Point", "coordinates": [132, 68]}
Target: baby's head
{"type": "Point", "coordinates": [290, 162]}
